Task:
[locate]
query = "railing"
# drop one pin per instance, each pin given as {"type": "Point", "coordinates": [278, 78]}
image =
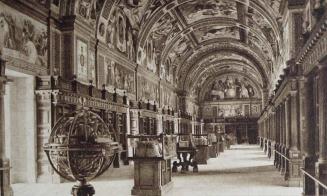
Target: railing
{"type": "Point", "coordinates": [315, 179]}
{"type": "Point", "coordinates": [285, 157]}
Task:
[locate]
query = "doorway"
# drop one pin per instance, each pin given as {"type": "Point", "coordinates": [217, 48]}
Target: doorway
{"type": "Point", "coordinates": [20, 127]}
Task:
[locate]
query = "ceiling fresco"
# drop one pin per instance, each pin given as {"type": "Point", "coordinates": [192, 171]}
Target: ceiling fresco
{"type": "Point", "coordinates": [202, 9]}
{"type": "Point", "coordinates": [214, 32]}
{"type": "Point", "coordinates": [180, 40]}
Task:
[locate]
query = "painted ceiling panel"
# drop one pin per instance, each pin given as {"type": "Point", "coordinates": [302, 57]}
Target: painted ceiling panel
{"type": "Point", "coordinates": [202, 9]}
{"type": "Point", "coordinates": [179, 40]}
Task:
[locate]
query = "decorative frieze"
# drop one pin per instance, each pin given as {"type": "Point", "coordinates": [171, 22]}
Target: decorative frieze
{"type": "Point", "coordinates": [315, 48]}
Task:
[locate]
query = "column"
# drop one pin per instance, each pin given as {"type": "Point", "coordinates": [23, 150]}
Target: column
{"type": "Point", "coordinates": [294, 153]}
{"type": "Point", "coordinates": [5, 188]}
{"type": "Point", "coordinates": [321, 165]}
{"type": "Point", "coordinates": [280, 143]}
{"type": "Point", "coordinates": [273, 144]}
{"type": "Point", "coordinates": [283, 139]}
{"type": "Point", "coordinates": [265, 134]}
{"type": "Point", "coordinates": [287, 136]}
{"type": "Point", "coordinates": [276, 136]}
{"type": "Point", "coordinates": [261, 134]}
{"type": "Point", "coordinates": [269, 135]}
{"type": "Point", "coordinates": [308, 133]}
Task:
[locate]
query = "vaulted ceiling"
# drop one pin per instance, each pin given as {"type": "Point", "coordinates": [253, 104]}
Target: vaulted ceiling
{"type": "Point", "coordinates": [199, 39]}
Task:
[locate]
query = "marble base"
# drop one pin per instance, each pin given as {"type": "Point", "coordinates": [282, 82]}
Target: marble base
{"type": "Point", "coordinates": [294, 176]}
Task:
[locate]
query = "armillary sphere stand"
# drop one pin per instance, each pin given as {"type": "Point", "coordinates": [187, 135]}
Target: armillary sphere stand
{"type": "Point", "coordinates": [80, 148]}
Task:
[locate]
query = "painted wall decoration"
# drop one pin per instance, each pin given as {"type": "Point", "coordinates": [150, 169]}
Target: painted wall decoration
{"type": "Point", "coordinates": [111, 31]}
{"type": "Point", "coordinates": [130, 45]}
{"type": "Point", "coordinates": [121, 31]}
{"type": "Point", "coordinates": [148, 56]}
{"type": "Point", "coordinates": [81, 60]}
{"type": "Point", "coordinates": [109, 72]}
{"type": "Point", "coordinates": [147, 90]}
{"type": "Point", "coordinates": [84, 8]}
{"type": "Point", "coordinates": [168, 97]}
{"type": "Point", "coordinates": [119, 77]}
{"type": "Point", "coordinates": [22, 37]}
{"type": "Point", "coordinates": [231, 109]}
{"type": "Point", "coordinates": [91, 67]}
{"type": "Point", "coordinates": [307, 21]}
{"type": "Point", "coordinates": [275, 4]}
{"type": "Point", "coordinates": [203, 9]}
{"type": "Point", "coordinates": [231, 87]}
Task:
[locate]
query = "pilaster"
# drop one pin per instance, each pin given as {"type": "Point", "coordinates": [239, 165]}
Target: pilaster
{"type": "Point", "coordinates": [45, 173]}
{"type": "Point", "coordinates": [5, 188]}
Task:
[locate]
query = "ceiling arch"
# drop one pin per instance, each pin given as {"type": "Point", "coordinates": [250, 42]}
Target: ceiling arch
{"type": "Point", "coordinates": [233, 48]}
{"type": "Point", "coordinates": [177, 37]}
{"type": "Point", "coordinates": [223, 66]}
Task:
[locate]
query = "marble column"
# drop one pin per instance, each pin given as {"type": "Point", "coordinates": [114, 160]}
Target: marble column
{"type": "Point", "coordinates": [321, 165]}
{"type": "Point", "coordinates": [5, 188]}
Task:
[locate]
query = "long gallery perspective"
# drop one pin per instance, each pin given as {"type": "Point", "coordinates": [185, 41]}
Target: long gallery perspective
{"type": "Point", "coordinates": [163, 97]}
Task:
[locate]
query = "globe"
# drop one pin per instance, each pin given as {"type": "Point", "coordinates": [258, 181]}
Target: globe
{"type": "Point", "coordinates": [81, 147]}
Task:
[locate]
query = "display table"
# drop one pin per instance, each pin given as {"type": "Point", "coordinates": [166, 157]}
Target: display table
{"type": "Point", "coordinates": [152, 164]}
{"type": "Point", "coordinates": [203, 145]}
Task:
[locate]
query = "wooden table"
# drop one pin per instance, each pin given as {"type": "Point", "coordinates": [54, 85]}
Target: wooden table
{"type": "Point", "coordinates": [185, 156]}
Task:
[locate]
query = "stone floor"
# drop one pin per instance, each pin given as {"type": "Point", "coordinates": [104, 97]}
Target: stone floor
{"type": "Point", "coordinates": [242, 171]}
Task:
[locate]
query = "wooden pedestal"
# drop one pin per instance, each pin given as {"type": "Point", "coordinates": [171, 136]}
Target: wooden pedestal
{"type": "Point", "coordinates": [213, 150]}
{"type": "Point", "coordinates": [202, 155]}
{"type": "Point", "coordinates": [152, 177]}
{"type": "Point", "coordinates": [221, 146]}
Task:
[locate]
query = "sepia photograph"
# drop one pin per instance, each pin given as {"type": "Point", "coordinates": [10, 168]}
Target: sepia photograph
{"type": "Point", "coordinates": [163, 97]}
